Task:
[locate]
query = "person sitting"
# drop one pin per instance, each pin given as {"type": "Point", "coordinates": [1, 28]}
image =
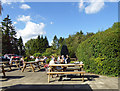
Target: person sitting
{"type": "Point", "coordinates": [62, 60]}
{"type": "Point", "coordinates": [22, 59]}
{"type": "Point", "coordinates": [44, 59]}
{"type": "Point", "coordinates": [51, 62]}
{"type": "Point", "coordinates": [67, 59]}
{"type": "Point", "coordinates": [37, 59]}
{"type": "Point", "coordinates": [11, 59]}
{"type": "Point", "coordinates": [58, 60]}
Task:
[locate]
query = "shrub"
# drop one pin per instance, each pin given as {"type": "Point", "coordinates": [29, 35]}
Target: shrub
{"type": "Point", "coordinates": [100, 53]}
{"type": "Point", "coordinates": [37, 54]}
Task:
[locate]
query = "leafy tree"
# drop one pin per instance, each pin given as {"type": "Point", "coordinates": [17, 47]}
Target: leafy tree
{"type": "Point", "coordinates": [38, 45]}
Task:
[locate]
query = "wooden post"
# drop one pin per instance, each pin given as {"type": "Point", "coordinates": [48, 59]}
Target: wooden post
{"type": "Point", "coordinates": [38, 65]}
{"type": "Point", "coordinates": [24, 66]}
{"type": "Point", "coordinates": [16, 64]}
{"type": "Point", "coordinates": [32, 67]}
{"type": "Point", "coordinates": [3, 71]}
{"type": "Point", "coordinates": [83, 77]}
{"type": "Point", "coordinates": [48, 78]}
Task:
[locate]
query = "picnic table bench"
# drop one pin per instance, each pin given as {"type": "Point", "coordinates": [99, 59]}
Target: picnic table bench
{"type": "Point", "coordinates": [51, 72]}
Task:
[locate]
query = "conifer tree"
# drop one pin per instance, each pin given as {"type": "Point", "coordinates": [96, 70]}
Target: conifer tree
{"type": "Point", "coordinates": [9, 40]}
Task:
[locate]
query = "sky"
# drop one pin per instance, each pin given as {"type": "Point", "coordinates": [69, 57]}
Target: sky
{"type": "Point", "coordinates": [59, 18]}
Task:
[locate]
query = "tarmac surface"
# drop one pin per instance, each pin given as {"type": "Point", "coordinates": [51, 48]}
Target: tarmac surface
{"type": "Point", "coordinates": [38, 80]}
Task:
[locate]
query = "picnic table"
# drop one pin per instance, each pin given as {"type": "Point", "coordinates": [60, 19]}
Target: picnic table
{"type": "Point", "coordinates": [17, 63]}
{"type": "Point", "coordinates": [51, 72]}
{"type": "Point", "coordinates": [4, 64]}
{"type": "Point", "coordinates": [31, 63]}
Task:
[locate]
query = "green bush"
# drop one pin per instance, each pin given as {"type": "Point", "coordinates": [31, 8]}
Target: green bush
{"type": "Point", "coordinates": [37, 54]}
{"type": "Point", "coordinates": [101, 52]}
{"type": "Point", "coordinates": [46, 54]}
{"type": "Point", "coordinates": [28, 59]}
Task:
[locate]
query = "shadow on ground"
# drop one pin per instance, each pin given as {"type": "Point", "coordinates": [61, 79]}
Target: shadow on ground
{"type": "Point", "coordinates": [70, 77]}
{"type": "Point", "coordinates": [49, 87]}
{"type": "Point", "coordinates": [10, 77]}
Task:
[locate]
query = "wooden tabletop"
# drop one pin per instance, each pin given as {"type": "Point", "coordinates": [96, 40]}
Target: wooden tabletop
{"type": "Point", "coordinates": [4, 62]}
{"type": "Point", "coordinates": [33, 62]}
{"type": "Point", "coordinates": [66, 65]}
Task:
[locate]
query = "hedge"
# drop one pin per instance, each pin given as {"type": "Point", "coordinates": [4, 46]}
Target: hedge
{"type": "Point", "coordinates": [101, 52]}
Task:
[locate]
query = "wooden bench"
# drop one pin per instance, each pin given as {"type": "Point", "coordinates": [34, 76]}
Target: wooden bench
{"type": "Point", "coordinates": [3, 71]}
{"type": "Point", "coordinates": [78, 72]}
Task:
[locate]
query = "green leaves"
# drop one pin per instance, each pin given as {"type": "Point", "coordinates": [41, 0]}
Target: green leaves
{"type": "Point", "coordinates": [100, 53]}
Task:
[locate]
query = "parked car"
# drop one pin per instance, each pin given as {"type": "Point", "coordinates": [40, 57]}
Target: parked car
{"type": "Point", "coordinates": [4, 59]}
{"type": "Point", "coordinates": [15, 57]}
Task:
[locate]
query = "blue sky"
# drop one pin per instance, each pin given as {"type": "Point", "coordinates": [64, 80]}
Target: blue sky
{"type": "Point", "coordinates": [60, 18]}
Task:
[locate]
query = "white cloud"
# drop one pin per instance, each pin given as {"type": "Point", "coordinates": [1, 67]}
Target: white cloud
{"type": "Point", "coordinates": [81, 5]}
{"type": "Point", "coordinates": [93, 6]}
{"type": "Point", "coordinates": [24, 18]}
{"type": "Point", "coordinates": [22, 1]}
{"type": "Point", "coordinates": [25, 6]}
{"type": "Point", "coordinates": [31, 30]}
{"type": "Point", "coordinates": [5, 2]}
{"type": "Point", "coordinates": [51, 22]}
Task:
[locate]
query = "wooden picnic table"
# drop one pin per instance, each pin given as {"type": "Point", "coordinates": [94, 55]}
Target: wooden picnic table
{"type": "Point", "coordinates": [31, 63]}
{"type": "Point", "coordinates": [17, 63]}
{"type": "Point", "coordinates": [51, 72]}
{"type": "Point", "coordinates": [4, 64]}
{"type": "Point", "coordinates": [65, 65]}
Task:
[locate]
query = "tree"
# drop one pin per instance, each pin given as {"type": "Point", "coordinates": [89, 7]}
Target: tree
{"type": "Point", "coordinates": [21, 46]}
{"type": "Point", "coordinates": [9, 40]}
{"type": "Point", "coordinates": [46, 42]}
{"type": "Point", "coordinates": [55, 43]}
{"type": "Point", "coordinates": [38, 45]}
{"type": "Point", "coordinates": [64, 50]}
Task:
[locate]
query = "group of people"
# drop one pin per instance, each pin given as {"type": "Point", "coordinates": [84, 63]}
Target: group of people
{"type": "Point", "coordinates": [59, 60]}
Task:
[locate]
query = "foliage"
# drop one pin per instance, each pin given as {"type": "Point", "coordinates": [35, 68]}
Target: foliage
{"type": "Point", "coordinates": [100, 53]}
{"type": "Point", "coordinates": [48, 60]}
{"type": "Point", "coordinates": [37, 54]}
{"type": "Point", "coordinates": [64, 50]}
{"type": "Point", "coordinates": [27, 59]}
{"type": "Point", "coordinates": [73, 41]}
{"type": "Point", "coordinates": [38, 45]}
{"type": "Point", "coordinates": [55, 43]}
{"type": "Point", "coordinates": [21, 46]}
{"type": "Point", "coordinates": [9, 40]}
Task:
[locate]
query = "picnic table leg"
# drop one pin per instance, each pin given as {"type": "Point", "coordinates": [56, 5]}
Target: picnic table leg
{"type": "Point", "coordinates": [10, 66]}
{"type": "Point", "coordinates": [83, 77]}
{"type": "Point", "coordinates": [3, 71]}
{"type": "Point", "coordinates": [24, 67]}
{"type": "Point", "coordinates": [48, 78]}
{"type": "Point", "coordinates": [16, 64]}
{"type": "Point", "coordinates": [32, 67]}
{"type": "Point", "coordinates": [51, 71]}
{"type": "Point", "coordinates": [38, 66]}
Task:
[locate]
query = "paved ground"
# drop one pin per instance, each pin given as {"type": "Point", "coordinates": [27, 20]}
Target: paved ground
{"type": "Point", "coordinates": [38, 80]}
